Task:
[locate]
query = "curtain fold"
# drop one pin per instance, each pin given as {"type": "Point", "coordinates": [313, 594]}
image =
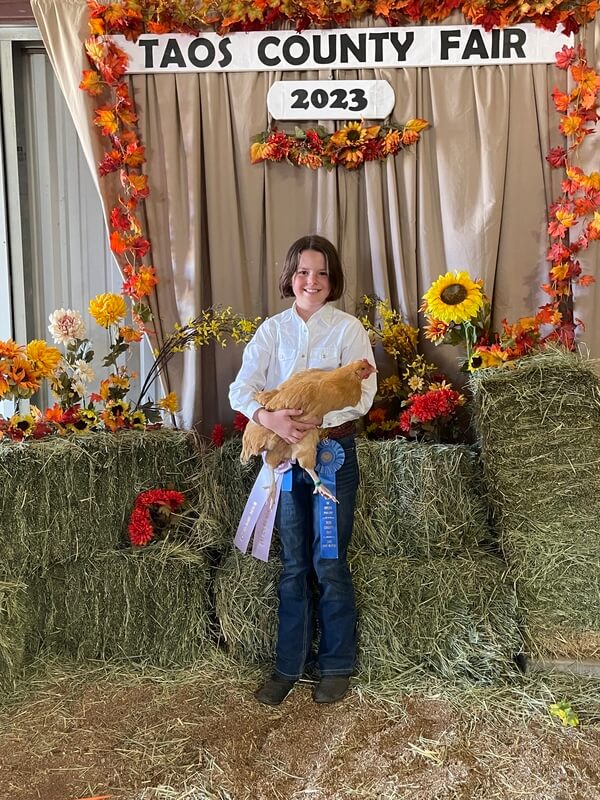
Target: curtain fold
{"type": "Point", "coordinates": [472, 195]}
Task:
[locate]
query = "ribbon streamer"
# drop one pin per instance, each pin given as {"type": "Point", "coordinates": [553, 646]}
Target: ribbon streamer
{"type": "Point", "coordinates": [330, 457]}
{"type": "Point", "coordinates": [259, 516]}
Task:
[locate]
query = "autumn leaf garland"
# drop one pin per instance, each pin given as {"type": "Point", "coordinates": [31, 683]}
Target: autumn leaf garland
{"type": "Point", "coordinates": [574, 218]}
{"type": "Point", "coordinates": [117, 121]}
{"type": "Point", "coordinates": [131, 18]}
{"type": "Point", "coordinates": [350, 146]}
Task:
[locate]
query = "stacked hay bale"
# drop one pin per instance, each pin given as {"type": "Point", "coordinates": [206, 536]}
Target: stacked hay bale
{"type": "Point", "coordinates": [13, 631]}
{"type": "Point", "coordinates": [539, 425]}
{"type": "Point", "coordinates": [66, 504]}
{"type": "Point", "coordinates": [431, 593]}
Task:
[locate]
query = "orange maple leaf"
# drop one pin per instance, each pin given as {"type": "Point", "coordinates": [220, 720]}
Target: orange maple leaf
{"type": "Point", "coordinates": [96, 26]}
{"type": "Point", "coordinates": [91, 83]}
{"type": "Point", "coordinates": [135, 155]}
{"type": "Point", "coordinates": [416, 125]}
{"type": "Point", "coordinates": [586, 280]}
{"type": "Point", "coordinates": [95, 49]}
{"type": "Point", "coordinates": [105, 118]}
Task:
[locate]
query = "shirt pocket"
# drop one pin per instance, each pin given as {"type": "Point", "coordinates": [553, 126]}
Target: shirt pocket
{"type": "Point", "coordinates": [325, 358]}
{"type": "Point", "coordinates": [285, 355]}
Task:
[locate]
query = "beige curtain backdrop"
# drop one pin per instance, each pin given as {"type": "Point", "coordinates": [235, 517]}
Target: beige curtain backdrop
{"type": "Point", "coordinates": [472, 195]}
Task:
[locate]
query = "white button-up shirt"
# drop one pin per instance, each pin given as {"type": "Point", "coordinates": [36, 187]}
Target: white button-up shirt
{"type": "Point", "coordinates": [285, 344]}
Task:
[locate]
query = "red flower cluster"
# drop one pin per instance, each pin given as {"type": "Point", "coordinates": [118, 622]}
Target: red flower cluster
{"type": "Point", "coordinates": [141, 529]}
{"type": "Point", "coordinates": [436, 404]}
{"type": "Point", "coordinates": [219, 432]}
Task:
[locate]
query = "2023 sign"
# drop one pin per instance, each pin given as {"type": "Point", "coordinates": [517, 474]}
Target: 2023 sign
{"type": "Point", "coordinates": [289, 100]}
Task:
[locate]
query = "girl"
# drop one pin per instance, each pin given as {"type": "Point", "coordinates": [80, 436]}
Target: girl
{"type": "Point", "coordinates": [312, 333]}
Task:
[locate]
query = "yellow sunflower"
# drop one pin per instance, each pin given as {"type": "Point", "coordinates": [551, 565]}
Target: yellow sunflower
{"type": "Point", "coordinates": [453, 298]}
{"type": "Point", "coordinates": [481, 357]}
{"type": "Point", "coordinates": [354, 134]}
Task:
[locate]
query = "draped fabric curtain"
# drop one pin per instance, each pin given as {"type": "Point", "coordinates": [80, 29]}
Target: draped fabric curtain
{"type": "Point", "coordinates": [472, 195]}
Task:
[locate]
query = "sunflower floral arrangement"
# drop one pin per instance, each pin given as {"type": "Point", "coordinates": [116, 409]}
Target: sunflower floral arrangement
{"type": "Point", "coordinates": [69, 373]}
{"type": "Point", "coordinates": [457, 311]}
{"type": "Point", "coordinates": [350, 147]}
{"type": "Point", "coordinates": [416, 401]}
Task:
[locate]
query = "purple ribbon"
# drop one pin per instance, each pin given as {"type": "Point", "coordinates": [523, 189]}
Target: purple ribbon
{"type": "Point", "coordinates": [259, 517]}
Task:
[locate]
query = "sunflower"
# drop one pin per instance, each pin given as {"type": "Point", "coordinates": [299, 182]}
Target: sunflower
{"type": "Point", "coordinates": [354, 134]}
{"type": "Point", "coordinates": [453, 298]}
{"type": "Point", "coordinates": [481, 357]}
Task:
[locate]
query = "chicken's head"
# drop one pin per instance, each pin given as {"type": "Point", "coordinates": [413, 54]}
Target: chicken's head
{"type": "Point", "coordinates": [364, 368]}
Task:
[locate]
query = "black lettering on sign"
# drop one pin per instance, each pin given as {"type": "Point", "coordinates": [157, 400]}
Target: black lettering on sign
{"type": "Point", "coordinates": [358, 50]}
{"type": "Point", "coordinates": [262, 51]}
{"type": "Point", "coordinates": [475, 46]}
{"type": "Point", "coordinates": [495, 42]}
{"type": "Point", "coordinates": [379, 39]}
{"type": "Point", "coordinates": [287, 50]}
{"type": "Point", "coordinates": [224, 45]}
{"type": "Point", "coordinates": [360, 101]}
{"type": "Point", "coordinates": [172, 55]}
{"type": "Point", "coordinates": [339, 98]}
{"type": "Point", "coordinates": [448, 42]}
{"type": "Point", "coordinates": [300, 100]}
{"type": "Point", "coordinates": [513, 40]}
{"type": "Point", "coordinates": [402, 48]}
{"type": "Point", "coordinates": [196, 58]}
{"type": "Point", "coordinates": [318, 43]}
{"type": "Point", "coordinates": [148, 44]}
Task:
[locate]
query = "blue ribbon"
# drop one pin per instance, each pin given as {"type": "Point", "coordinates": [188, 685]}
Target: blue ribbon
{"type": "Point", "coordinates": [330, 457]}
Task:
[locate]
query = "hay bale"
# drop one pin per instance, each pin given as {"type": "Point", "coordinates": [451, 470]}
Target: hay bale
{"type": "Point", "coordinates": [454, 618]}
{"type": "Point", "coordinates": [13, 628]}
{"type": "Point", "coordinates": [69, 498]}
{"type": "Point", "coordinates": [419, 500]}
{"type": "Point", "coordinates": [150, 604]}
{"type": "Point", "coordinates": [223, 486]}
{"type": "Point", "coordinates": [415, 500]}
{"type": "Point", "coordinates": [539, 428]}
{"type": "Point", "coordinates": [245, 597]}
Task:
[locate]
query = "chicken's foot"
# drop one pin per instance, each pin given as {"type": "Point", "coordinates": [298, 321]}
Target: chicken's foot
{"type": "Point", "coordinates": [320, 487]}
{"type": "Point", "coordinates": [272, 487]}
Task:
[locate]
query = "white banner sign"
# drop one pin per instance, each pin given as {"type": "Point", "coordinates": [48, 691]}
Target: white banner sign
{"type": "Point", "coordinates": [343, 48]}
{"type": "Point", "coordinates": [330, 99]}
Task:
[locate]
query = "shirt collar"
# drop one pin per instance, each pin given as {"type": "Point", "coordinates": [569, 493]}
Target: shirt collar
{"type": "Point", "coordinates": [322, 316]}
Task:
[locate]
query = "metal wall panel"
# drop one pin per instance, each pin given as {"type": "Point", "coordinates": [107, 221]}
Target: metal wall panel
{"type": "Point", "coordinates": [69, 259]}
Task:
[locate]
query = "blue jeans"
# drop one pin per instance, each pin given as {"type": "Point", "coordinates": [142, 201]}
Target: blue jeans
{"type": "Point", "coordinates": [298, 524]}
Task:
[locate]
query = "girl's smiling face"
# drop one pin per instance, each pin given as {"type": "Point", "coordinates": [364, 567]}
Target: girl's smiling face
{"type": "Point", "coordinates": [310, 283]}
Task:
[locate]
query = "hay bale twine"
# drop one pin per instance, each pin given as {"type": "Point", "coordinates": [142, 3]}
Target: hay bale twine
{"type": "Point", "coordinates": [538, 422]}
{"type": "Point", "coordinates": [13, 631]}
{"type": "Point", "coordinates": [419, 500]}
{"type": "Point", "coordinates": [151, 604]}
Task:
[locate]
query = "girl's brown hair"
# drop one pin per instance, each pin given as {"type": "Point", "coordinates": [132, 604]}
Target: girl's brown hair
{"type": "Point", "coordinates": [332, 263]}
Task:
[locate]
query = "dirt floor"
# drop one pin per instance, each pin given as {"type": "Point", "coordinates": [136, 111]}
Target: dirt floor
{"type": "Point", "coordinates": [201, 736]}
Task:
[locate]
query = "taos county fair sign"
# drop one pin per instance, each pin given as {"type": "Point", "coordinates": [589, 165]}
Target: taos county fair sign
{"type": "Point", "coordinates": [353, 48]}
